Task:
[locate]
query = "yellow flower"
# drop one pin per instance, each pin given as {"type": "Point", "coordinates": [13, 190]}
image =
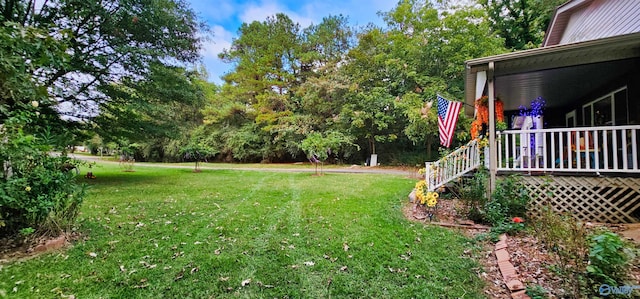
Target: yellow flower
{"type": "Point", "coordinates": [27, 189]}
{"type": "Point", "coordinates": [424, 197]}
{"type": "Point", "coordinates": [432, 199]}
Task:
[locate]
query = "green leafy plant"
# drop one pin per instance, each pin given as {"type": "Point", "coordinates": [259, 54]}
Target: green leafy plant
{"type": "Point", "coordinates": [509, 199]}
{"type": "Point", "coordinates": [319, 146]}
{"type": "Point", "coordinates": [537, 292]}
{"type": "Point", "coordinates": [37, 190]}
{"type": "Point", "coordinates": [508, 227]}
{"type": "Point", "coordinates": [609, 258]}
{"type": "Point", "coordinates": [473, 194]}
{"type": "Point", "coordinates": [27, 231]}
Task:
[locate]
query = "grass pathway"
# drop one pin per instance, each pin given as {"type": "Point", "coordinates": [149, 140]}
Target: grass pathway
{"type": "Point", "coordinates": [172, 233]}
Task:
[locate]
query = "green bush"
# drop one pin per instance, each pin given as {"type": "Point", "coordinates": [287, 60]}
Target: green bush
{"type": "Point", "coordinates": [584, 259]}
{"type": "Point", "coordinates": [38, 192]}
{"type": "Point", "coordinates": [609, 258]}
{"type": "Point", "coordinates": [473, 194]}
{"type": "Point", "coordinates": [509, 199]}
{"type": "Point", "coordinates": [508, 227]}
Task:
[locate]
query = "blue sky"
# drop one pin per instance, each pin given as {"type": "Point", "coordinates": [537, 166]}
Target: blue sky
{"type": "Point", "coordinates": [225, 17]}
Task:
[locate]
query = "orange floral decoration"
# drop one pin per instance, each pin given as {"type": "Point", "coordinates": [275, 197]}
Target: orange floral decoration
{"type": "Point", "coordinates": [482, 114]}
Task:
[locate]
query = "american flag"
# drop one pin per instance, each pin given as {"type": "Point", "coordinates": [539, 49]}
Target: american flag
{"type": "Point", "coordinates": [447, 118]}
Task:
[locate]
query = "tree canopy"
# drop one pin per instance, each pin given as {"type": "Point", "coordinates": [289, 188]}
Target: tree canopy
{"type": "Point", "coordinates": [522, 23]}
{"type": "Point", "coordinates": [126, 70]}
{"type": "Point", "coordinates": [105, 43]}
{"type": "Point", "coordinates": [370, 84]}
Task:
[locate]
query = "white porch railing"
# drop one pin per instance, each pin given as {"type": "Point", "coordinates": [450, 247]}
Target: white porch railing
{"type": "Point", "coordinates": [453, 165]}
{"type": "Point", "coordinates": [582, 150]}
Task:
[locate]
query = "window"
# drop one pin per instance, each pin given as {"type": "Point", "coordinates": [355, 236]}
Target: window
{"type": "Point", "coordinates": [608, 110]}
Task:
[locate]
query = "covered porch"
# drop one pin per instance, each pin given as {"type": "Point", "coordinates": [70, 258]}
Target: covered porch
{"type": "Point", "coordinates": [582, 156]}
{"type": "Point", "coordinates": [590, 121]}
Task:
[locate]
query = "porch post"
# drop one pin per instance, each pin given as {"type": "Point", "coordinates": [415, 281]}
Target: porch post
{"type": "Point", "coordinates": [493, 151]}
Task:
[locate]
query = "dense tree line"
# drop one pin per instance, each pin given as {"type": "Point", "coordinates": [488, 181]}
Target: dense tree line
{"type": "Point", "coordinates": [125, 80]}
{"type": "Point", "coordinates": [371, 84]}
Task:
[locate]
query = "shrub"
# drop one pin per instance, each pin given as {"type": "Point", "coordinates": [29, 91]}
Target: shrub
{"type": "Point", "coordinates": [566, 239]}
{"type": "Point", "coordinates": [509, 199]}
{"type": "Point", "coordinates": [473, 194]}
{"type": "Point", "coordinates": [609, 258]}
{"type": "Point", "coordinates": [38, 193]}
{"type": "Point", "coordinates": [585, 260]}
{"type": "Point", "coordinates": [508, 227]}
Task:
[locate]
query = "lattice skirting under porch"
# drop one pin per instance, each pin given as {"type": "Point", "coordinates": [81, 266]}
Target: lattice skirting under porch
{"type": "Point", "coordinates": [597, 199]}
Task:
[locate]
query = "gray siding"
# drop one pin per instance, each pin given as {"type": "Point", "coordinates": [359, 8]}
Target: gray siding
{"type": "Point", "coordinates": [601, 18]}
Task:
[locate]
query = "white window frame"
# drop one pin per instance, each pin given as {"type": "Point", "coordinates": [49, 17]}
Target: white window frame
{"type": "Point", "coordinates": [613, 107]}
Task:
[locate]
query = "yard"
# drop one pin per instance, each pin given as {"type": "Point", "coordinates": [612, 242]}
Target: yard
{"type": "Point", "coordinates": [167, 232]}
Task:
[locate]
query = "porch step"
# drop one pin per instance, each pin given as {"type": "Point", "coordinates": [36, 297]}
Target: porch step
{"type": "Point", "coordinates": [456, 164]}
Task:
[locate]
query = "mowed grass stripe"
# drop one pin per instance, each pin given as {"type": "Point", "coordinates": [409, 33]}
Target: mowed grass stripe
{"type": "Point", "coordinates": [169, 233]}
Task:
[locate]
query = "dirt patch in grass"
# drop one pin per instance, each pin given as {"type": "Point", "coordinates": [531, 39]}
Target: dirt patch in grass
{"type": "Point", "coordinates": [14, 248]}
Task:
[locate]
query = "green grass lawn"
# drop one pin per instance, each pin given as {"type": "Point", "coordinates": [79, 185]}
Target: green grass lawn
{"type": "Point", "coordinates": [172, 233]}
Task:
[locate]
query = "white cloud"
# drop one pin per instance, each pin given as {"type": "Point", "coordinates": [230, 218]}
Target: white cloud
{"type": "Point", "coordinates": [220, 11]}
{"type": "Point", "coordinates": [221, 40]}
{"type": "Point", "coordinates": [253, 12]}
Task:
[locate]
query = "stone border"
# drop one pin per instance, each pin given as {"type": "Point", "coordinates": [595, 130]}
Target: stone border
{"type": "Point", "coordinates": [51, 244]}
{"type": "Point", "coordinates": [508, 271]}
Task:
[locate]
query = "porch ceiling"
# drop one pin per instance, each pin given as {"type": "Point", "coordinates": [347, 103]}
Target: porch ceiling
{"type": "Point", "coordinates": [560, 74]}
{"type": "Point", "coordinates": [560, 86]}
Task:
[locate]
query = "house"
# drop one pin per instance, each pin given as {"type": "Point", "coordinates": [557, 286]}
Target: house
{"type": "Point", "coordinates": [584, 147]}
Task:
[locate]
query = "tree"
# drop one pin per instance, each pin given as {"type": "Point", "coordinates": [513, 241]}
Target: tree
{"type": "Point", "coordinates": [154, 111]}
{"type": "Point", "coordinates": [105, 42]}
{"type": "Point", "coordinates": [198, 152]}
{"type": "Point", "coordinates": [259, 113]}
{"type": "Point", "coordinates": [35, 194]}
{"type": "Point", "coordinates": [397, 70]}
{"type": "Point", "coordinates": [319, 146]}
{"type": "Point", "coordinates": [65, 57]}
{"type": "Point", "coordinates": [522, 23]}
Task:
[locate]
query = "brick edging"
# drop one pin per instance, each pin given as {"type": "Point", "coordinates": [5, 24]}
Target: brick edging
{"type": "Point", "coordinates": [508, 271]}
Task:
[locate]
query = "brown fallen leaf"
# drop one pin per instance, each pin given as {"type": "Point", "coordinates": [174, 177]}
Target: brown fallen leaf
{"type": "Point", "coordinates": [245, 282]}
{"type": "Point", "coordinates": [179, 276]}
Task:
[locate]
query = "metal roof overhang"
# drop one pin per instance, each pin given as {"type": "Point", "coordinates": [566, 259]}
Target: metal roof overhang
{"type": "Point", "coordinates": [560, 74]}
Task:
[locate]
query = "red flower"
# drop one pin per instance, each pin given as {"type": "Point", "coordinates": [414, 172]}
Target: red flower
{"type": "Point", "coordinates": [517, 220]}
